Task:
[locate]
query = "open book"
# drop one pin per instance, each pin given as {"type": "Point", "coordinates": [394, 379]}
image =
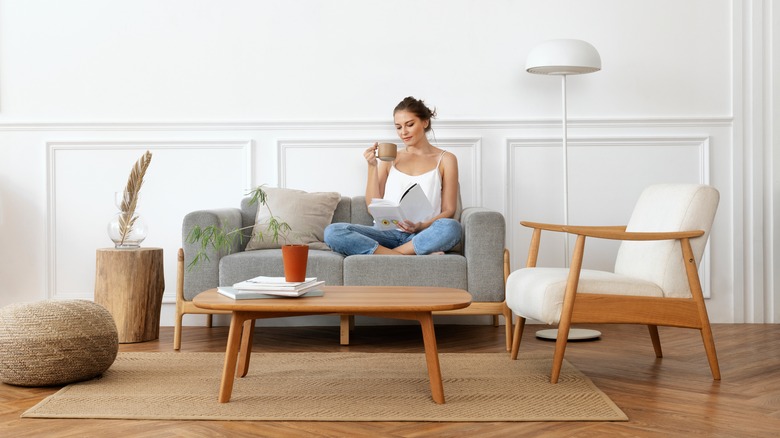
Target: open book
{"type": "Point", "coordinates": [413, 206]}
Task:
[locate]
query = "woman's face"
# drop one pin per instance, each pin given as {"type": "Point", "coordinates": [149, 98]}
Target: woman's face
{"type": "Point", "coordinates": [410, 129]}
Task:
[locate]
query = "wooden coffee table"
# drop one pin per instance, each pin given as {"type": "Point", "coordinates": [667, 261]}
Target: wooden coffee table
{"type": "Point", "coordinates": [400, 302]}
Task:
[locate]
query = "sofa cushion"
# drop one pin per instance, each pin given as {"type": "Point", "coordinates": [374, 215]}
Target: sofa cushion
{"type": "Point", "coordinates": [325, 265]}
{"type": "Point", "coordinates": [448, 270]}
{"type": "Point", "coordinates": [343, 211]}
{"type": "Point", "coordinates": [307, 214]}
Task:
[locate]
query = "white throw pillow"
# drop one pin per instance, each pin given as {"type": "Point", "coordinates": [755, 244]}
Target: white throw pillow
{"type": "Point", "coordinates": [307, 214]}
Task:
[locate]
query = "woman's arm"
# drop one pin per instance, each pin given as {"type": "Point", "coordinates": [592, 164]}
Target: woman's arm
{"type": "Point", "coordinates": [377, 174]}
{"type": "Point", "coordinates": [449, 185]}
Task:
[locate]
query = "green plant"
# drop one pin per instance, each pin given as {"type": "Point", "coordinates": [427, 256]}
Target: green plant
{"type": "Point", "coordinates": [222, 240]}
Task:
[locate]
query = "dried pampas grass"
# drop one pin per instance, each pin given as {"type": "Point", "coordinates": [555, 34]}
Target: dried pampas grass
{"type": "Point", "coordinates": [127, 216]}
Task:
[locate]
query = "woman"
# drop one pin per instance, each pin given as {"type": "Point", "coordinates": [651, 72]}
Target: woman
{"type": "Point", "coordinates": [434, 169]}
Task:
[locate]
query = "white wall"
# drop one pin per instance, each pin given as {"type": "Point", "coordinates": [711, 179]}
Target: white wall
{"type": "Point", "coordinates": [231, 94]}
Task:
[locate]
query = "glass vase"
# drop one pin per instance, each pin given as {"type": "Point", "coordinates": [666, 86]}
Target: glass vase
{"type": "Point", "coordinates": [133, 233]}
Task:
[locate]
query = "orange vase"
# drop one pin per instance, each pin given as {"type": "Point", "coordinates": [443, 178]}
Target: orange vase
{"type": "Point", "coordinates": [294, 258]}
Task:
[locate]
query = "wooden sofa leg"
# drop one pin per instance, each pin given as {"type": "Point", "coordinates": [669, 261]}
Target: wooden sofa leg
{"type": "Point", "coordinates": [347, 325]}
{"type": "Point", "coordinates": [177, 331]}
{"type": "Point", "coordinates": [508, 327]}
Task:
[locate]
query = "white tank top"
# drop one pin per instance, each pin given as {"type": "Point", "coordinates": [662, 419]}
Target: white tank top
{"type": "Point", "coordinates": [430, 182]}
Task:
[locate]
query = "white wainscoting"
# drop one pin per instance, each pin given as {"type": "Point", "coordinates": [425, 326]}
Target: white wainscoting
{"type": "Point", "coordinates": [307, 164]}
{"type": "Point", "coordinates": [513, 167]}
{"type": "Point", "coordinates": [606, 176]}
{"type": "Point", "coordinates": [83, 177]}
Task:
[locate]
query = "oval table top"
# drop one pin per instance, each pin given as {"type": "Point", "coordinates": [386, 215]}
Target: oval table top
{"type": "Point", "coordinates": [347, 299]}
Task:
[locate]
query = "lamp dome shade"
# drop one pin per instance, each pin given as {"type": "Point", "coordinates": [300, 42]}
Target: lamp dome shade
{"type": "Point", "coordinates": [563, 57]}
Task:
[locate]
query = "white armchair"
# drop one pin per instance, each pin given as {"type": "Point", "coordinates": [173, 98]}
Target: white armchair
{"type": "Point", "coordinates": [655, 280]}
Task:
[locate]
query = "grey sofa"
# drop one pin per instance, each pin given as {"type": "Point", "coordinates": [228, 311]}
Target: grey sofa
{"type": "Point", "coordinates": [479, 264]}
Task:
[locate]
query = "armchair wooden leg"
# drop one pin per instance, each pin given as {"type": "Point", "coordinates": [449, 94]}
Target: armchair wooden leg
{"type": "Point", "coordinates": [698, 297]}
{"type": "Point", "coordinates": [209, 320]}
{"type": "Point", "coordinates": [568, 307]}
{"type": "Point", "coordinates": [709, 348]}
{"type": "Point", "coordinates": [560, 350]}
{"type": "Point", "coordinates": [656, 340]}
{"type": "Point", "coordinates": [517, 336]}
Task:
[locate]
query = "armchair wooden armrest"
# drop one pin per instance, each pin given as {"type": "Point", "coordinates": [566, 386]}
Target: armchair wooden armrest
{"type": "Point", "coordinates": [562, 228]}
{"type": "Point", "coordinates": [613, 232]}
{"type": "Point", "coordinates": [542, 226]}
{"type": "Point", "coordinates": [620, 233]}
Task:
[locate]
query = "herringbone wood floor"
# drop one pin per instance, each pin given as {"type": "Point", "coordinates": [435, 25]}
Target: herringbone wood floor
{"type": "Point", "coordinates": [673, 396]}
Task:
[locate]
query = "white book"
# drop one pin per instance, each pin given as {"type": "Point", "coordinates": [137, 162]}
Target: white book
{"type": "Point", "coordinates": [413, 206]}
{"type": "Point", "coordinates": [287, 292]}
{"type": "Point", "coordinates": [274, 283]}
{"type": "Point", "coordinates": [238, 294]}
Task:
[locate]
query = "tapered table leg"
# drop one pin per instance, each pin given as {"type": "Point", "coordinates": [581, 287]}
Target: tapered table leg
{"type": "Point", "coordinates": [432, 357]}
{"type": "Point", "coordinates": [231, 357]}
{"type": "Point", "coordinates": [246, 348]}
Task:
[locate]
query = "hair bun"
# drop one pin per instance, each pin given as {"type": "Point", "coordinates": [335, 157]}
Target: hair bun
{"type": "Point", "coordinates": [418, 108]}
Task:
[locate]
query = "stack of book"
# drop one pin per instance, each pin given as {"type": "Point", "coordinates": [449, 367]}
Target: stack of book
{"type": "Point", "coordinates": [271, 287]}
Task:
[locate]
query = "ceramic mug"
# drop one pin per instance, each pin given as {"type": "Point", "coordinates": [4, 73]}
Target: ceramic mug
{"type": "Point", "coordinates": [386, 151]}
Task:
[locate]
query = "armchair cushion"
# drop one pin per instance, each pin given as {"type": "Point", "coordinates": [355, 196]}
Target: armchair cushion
{"type": "Point", "coordinates": [307, 214]}
{"type": "Point", "coordinates": [667, 207]}
{"type": "Point", "coordinates": [543, 290]}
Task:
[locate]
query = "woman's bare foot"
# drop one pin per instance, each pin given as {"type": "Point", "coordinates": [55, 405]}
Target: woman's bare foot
{"type": "Point", "coordinates": [381, 250]}
{"type": "Point", "coordinates": [405, 249]}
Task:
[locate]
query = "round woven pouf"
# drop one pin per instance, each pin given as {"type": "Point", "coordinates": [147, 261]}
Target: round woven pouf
{"type": "Point", "coordinates": [55, 342]}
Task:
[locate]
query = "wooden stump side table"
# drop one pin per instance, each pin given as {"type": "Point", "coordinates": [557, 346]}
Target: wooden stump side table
{"type": "Point", "coordinates": [130, 283]}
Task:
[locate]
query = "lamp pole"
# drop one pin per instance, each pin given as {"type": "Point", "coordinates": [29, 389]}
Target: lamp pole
{"type": "Point", "coordinates": [565, 173]}
{"type": "Point", "coordinates": [563, 57]}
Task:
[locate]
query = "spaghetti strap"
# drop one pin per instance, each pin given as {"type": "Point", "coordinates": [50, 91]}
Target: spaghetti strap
{"type": "Point", "coordinates": [440, 157]}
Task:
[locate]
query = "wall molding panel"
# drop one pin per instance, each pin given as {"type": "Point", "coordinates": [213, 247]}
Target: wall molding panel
{"type": "Point", "coordinates": [299, 159]}
{"type": "Point", "coordinates": [596, 165]}
{"type": "Point", "coordinates": [180, 172]}
{"type": "Point", "coordinates": [213, 164]}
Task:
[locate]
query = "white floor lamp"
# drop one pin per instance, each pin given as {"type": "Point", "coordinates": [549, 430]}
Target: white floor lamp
{"type": "Point", "coordinates": [563, 57]}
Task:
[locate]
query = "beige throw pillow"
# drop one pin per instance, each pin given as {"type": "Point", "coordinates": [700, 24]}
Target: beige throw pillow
{"type": "Point", "coordinates": [307, 214]}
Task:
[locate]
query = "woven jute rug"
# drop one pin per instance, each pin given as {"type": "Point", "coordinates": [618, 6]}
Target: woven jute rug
{"type": "Point", "coordinates": [333, 387]}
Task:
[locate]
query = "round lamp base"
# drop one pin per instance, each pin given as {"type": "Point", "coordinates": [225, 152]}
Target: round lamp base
{"type": "Point", "coordinates": [575, 334]}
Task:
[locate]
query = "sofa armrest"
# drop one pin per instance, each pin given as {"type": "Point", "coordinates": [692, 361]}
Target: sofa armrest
{"type": "Point", "coordinates": [205, 275]}
{"type": "Point", "coordinates": [483, 242]}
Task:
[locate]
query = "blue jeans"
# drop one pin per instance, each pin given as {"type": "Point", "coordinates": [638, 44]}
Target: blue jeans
{"type": "Point", "coordinates": [350, 239]}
